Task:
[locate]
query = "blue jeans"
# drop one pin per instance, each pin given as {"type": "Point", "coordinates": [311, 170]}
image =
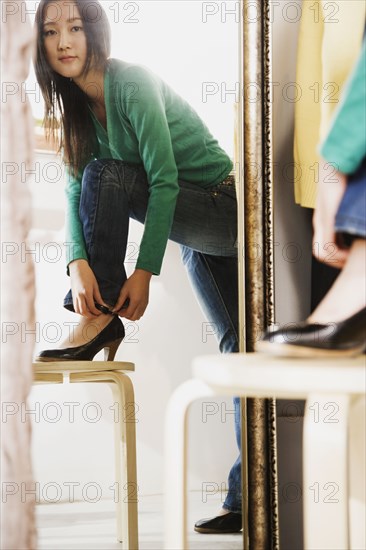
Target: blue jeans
{"type": "Point", "coordinates": [350, 222]}
{"type": "Point", "coordinates": [205, 226]}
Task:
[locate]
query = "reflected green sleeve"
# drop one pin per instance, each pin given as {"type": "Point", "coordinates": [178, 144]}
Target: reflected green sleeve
{"type": "Point", "coordinates": [345, 144]}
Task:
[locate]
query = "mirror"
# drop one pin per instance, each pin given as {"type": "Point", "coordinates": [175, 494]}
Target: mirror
{"type": "Point", "coordinates": [193, 46]}
{"type": "Point", "coordinates": [218, 56]}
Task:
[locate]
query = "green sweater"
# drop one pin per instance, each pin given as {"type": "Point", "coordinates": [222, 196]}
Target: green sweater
{"type": "Point", "coordinates": [345, 144]}
{"type": "Point", "coordinates": [151, 125]}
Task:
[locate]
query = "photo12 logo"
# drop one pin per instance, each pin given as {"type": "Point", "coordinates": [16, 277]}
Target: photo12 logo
{"type": "Point", "coordinates": [252, 11]}
{"type": "Point", "coordinates": [121, 12]}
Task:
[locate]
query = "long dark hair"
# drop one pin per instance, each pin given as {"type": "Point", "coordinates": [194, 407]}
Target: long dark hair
{"type": "Point", "coordinates": [66, 105]}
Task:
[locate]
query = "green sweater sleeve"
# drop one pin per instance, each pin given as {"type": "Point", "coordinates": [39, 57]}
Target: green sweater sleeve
{"type": "Point", "coordinates": [145, 111]}
{"type": "Point", "coordinates": [75, 244]}
{"type": "Point", "coordinates": [345, 144]}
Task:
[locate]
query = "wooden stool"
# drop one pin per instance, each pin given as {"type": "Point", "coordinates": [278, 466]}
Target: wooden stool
{"type": "Point", "coordinates": [333, 388]}
{"type": "Point", "coordinates": [113, 373]}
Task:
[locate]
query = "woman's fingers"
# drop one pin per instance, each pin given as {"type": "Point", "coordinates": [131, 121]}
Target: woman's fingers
{"type": "Point", "coordinates": [331, 188]}
{"type": "Point", "coordinates": [97, 295]}
{"type": "Point", "coordinates": [86, 307]}
{"type": "Point", "coordinates": [121, 300]}
{"type": "Point", "coordinates": [332, 255]}
{"type": "Point", "coordinates": [85, 289]}
{"type": "Point", "coordinates": [76, 306]}
{"type": "Point", "coordinates": [132, 313]}
{"type": "Point", "coordinates": [326, 250]}
{"type": "Point", "coordinates": [91, 307]}
{"type": "Point", "coordinates": [134, 310]}
{"type": "Point", "coordinates": [134, 296]}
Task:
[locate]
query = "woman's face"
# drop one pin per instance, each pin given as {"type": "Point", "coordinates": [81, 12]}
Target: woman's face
{"type": "Point", "coordinates": [64, 39]}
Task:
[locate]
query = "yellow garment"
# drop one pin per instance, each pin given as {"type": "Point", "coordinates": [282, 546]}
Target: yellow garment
{"type": "Point", "coordinates": [330, 39]}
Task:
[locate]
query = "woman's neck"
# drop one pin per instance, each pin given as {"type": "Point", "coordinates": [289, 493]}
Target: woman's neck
{"type": "Point", "coordinates": [93, 86]}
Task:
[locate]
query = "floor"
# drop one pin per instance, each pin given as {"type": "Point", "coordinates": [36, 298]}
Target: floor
{"type": "Point", "coordinates": [87, 526]}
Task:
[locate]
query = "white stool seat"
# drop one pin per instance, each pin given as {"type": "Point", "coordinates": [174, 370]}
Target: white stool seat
{"type": "Point", "coordinates": [333, 464]}
{"type": "Point", "coordinates": [283, 377]}
{"type": "Point", "coordinates": [112, 373]}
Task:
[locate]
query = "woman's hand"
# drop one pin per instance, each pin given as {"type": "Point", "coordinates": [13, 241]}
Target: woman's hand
{"type": "Point", "coordinates": [331, 187]}
{"type": "Point", "coordinates": [136, 290]}
{"type": "Point", "coordinates": [85, 290]}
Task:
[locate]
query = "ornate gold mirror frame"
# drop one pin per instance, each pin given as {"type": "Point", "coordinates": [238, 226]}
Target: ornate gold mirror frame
{"type": "Point", "coordinates": [256, 281]}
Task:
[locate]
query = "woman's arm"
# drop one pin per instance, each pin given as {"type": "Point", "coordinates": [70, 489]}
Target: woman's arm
{"type": "Point", "coordinates": [85, 289]}
{"type": "Point", "coordinates": [75, 244]}
{"type": "Point", "coordinates": [146, 115]}
{"type": "Point", "coordinates": [331, 188]}
{"type": "Point", "coordinates": [136, 291]}
{"type": "Point", "coordinates": [342, 150]}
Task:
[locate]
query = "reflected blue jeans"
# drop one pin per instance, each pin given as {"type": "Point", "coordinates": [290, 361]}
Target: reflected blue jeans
{"type": "Point", "coordinates": [205, 227]}
{"type": "Point", "coordinates": [350, 222]}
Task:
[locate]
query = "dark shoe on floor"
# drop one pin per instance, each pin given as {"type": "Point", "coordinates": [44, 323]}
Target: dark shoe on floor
{"type": "Point", "coordinates": [344, 339]}
{"type": "Point", "coordinates": [109, 339]}
{"type": "Point", "coordinates": [228, 523]}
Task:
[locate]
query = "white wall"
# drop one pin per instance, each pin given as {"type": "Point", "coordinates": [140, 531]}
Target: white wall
{"type": "Point", "coordinates": [292, 236]}
{"type": "Point", "coordinates": [292, 225]}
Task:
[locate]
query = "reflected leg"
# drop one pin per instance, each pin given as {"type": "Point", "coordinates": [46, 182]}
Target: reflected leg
{"type": "Point", "coordinates": [215, 281]}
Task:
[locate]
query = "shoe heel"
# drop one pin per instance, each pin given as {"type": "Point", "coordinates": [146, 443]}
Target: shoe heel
{"type": "Point", "coordinates": [110, 350]}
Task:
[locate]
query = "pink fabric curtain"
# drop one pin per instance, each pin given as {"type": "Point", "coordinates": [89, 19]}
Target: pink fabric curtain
{"type": "Point", "coordinates": [17, 282]}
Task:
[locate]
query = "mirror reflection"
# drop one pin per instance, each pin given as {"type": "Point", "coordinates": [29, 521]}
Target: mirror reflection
{"type": "Point", "coordinates": [147, 139]}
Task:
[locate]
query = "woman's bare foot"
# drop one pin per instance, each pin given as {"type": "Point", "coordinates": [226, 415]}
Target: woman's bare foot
{"type": "Point", "coordinates": [348, 293]}
{"type": "Point", "coordinates": [85, 331]}
{"type": "Point", "coordinates": [223, 512]}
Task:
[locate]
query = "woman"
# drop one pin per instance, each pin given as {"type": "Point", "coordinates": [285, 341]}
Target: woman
{"type": "Point", "coordinates": [136, 149]}
{"type": "Point", "coordinates": [337, 327]}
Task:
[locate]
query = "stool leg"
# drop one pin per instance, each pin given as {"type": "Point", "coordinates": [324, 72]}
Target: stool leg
{"type": "Point", "coordinates": [176, 461]}
{"type": "Point", "coordinates": [118, 462]}
{"type": "Point", "coordinates": [357, 473]}
{"type": "Point", "coordinates": [125, 454]}
{"type": "Point", "coordinates": [325, 472]}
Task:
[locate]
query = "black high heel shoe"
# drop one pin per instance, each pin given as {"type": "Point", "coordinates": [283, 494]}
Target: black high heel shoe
{"type": "Point", "coordinates": [344, 339]}
{"type": "Point", "coordinates": [109, 339]}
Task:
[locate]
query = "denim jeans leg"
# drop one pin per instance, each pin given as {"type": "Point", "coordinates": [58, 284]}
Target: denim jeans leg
{"type": "Point", "coordinates": [104, 199]}
{"type": "Point", "coordinates": [205, 219]}
{"type": "Point", "coordinates": [234, 495]}
{"type": "Point", "coordinates": [215, 280]}
{"type": "Point", "coordinates": [350, 222]}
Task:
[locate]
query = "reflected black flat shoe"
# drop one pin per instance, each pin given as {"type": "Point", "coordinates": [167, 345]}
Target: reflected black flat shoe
{"type": "Point", "coordinates": [344, 339]}
{"type": "Point", "coordinates": [228, 523]}
{"type": "Point", "coordinates": [109, 339]}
